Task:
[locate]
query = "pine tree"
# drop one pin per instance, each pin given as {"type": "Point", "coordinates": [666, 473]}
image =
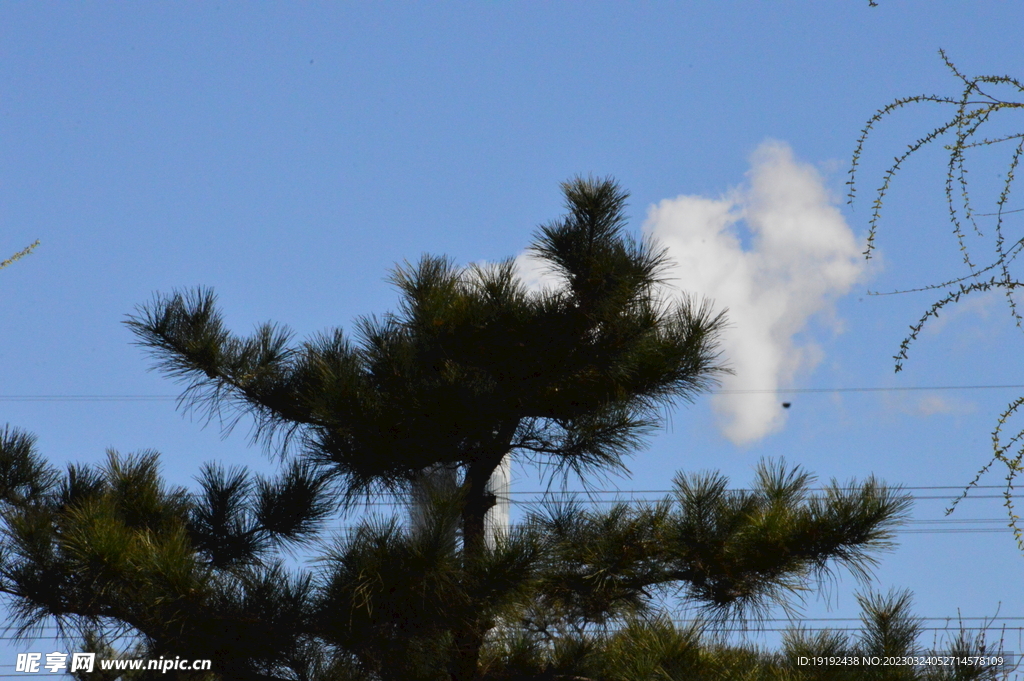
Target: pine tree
{"type": "Point", "coordinates": [472, 368]}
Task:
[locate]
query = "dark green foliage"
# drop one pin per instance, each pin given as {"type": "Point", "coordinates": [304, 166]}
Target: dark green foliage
{"type": "Point", "coordinates": [749, 548]}
{"type": "Point", "coordinates": [558, 583]}
{"type": "Point", "coordinates": [472, 366]}
{"type": "Point", "coordinates": [238, 520]}
{"type": "Point", "coordinates": [889, 630]}
{"type": "Point", "coordinates": [24, 475]}
{"type": "Point", "coordinates": [114, 548]}
{"type": "Point", "coordinates": [735, 552]}
{"type": "Point", "coordinates": [470, 369]}
{"type": "Point", "coordinates": [569, 593]}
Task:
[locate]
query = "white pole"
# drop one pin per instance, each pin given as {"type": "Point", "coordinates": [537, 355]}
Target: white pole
{"type": "Point", "coordinates": [497, 519]}
{"type": "Point", "coordinates": [439, 480]}
{"type": "Point", "coordinates": [442, 479]}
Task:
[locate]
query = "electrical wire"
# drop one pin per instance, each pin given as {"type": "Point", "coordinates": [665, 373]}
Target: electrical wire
{"type": "Point", "coordinates": [738, 391]}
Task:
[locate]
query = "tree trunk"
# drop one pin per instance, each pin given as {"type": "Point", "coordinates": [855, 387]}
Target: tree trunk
{"type": "Point", "coordinates": [468, 638]}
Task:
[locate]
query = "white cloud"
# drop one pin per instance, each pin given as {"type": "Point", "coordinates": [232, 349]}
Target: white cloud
{"type": "Point", "coordinates": [981, 306]}
{"type": "Point", "coordinates": [534, 272]}
{"type": "Point", "coordinates": [929, 404]}
{"type": "Point", "coordinates": [776, 253]}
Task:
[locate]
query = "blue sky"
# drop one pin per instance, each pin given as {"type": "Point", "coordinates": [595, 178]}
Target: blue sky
{"type": "Point", "coordinates": [288, 155]}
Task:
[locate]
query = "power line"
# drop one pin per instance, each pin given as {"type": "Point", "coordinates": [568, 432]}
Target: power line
{"type": "Point", "coordinates": [797, 621]}
{"type": "Point", "coordinates": [633, 496]}
{"type": "Point", "coordinates": [780, 391]}
{"type": "Point", "coordinates": [740, 489]}
{"type": "Point", "coordinates": [898, 530]}
{"type": "Point", "coordinates": [738, 391]}
{"type": "Point", "coordinates": [87, 398]}
{"type": "Point", "coordinates": [914, 497]}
